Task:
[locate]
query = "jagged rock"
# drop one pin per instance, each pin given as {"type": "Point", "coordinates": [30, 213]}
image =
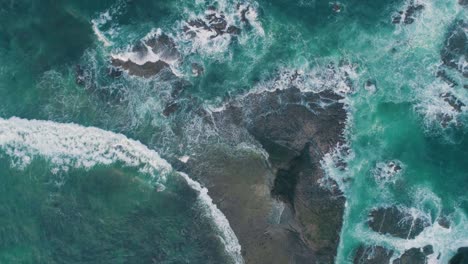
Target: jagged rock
{"type": "Point", "coordinates": [461, 257]}
{"type": "Point", "coordinates": [397, 222]}
{"type": "Point", "coordinates": [456, 47]}
{"type": "Point", "coordinates": [407, 16]}
{"type": "Point", "coordinates": [114, 72]}
{"type": "Point", "coordinates": [453, 101]}
{"type": "Point", "coordinates": [372, 255]}
{"type": "Point", "coordinates": [442, 74]}
{"type": "Point", "coordinates": [164, 46]}
{"type": "Point", "coordinates": [428, 250]}
{"type": "Point", "coordinates": [146, 70]}
{"type": "Point", "coordinates": [214, 23]}
{"type": "Point", "coordinates": [463, 2]}
{"type": "Point", "coordinates": [233, 30]}
{"type": "Point", "coordinates": [80, 75]}
{"type": "Point", "coordinates": [444, 222]}
{"type": "Point", "coordinates": [412, 256]}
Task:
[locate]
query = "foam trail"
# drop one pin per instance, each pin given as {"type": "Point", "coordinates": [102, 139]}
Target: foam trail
{"type": "Point", "coordinates": [71, 145]}
{"type": "Point", "coordinates": [228, 237]}
{"type": "Point", "coordinates": [104, 18]}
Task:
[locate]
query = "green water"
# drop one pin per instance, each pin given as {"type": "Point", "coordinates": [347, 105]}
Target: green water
{"type": "Point", "coordinates": [42, 42]}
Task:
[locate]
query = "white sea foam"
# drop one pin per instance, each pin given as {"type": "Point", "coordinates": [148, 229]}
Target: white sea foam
{"type": "Point", "coordinates": [207, 41]}
{"type": "Point", "coordinates": [74, 146]}
{"type": "Point", "coordinates": [334, 165]}
{"type": "Point", "coordinates": [436, 108]}
{"type": "Point", "coordinates": [140, 58]}
{"type": "Point", "coordinates": [103, 18]}
{"type": "Point", "coordinates": [387, 172]}
{"type": "Point", "coordinates": [227, 236]}
{"type": "Point", "coordinates": [314, 79]}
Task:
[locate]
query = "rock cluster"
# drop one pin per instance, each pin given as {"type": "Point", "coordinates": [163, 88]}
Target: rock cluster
{"type": "Point", "coordinates": [408, 16]}
{"type": "Point", "coordinates": [397, 222]}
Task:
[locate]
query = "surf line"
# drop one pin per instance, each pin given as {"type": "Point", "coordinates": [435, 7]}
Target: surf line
{"type": "Point", "coordinates": [68, 145]}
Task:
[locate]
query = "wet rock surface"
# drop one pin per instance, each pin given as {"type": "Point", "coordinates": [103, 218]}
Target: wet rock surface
{"type": "Point", "coordinates": [164, 46]}
{"type": "Point", "coordinates": [397, 222]}
{"type": "Point", "coordinates": [146, 70]}
{"type": "Point", "coordinates": [372, 255]}
{"type": "Point", "coordinates": [278, 209]}
{"type": "Point", "coordinates": [139, 62]}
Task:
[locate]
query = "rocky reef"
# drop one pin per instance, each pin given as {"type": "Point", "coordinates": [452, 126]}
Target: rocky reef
{"type": "Point", "coordinates": [397, 222]}
{"type": "Point", "coordinates": [277, 204]}
{"type": "Point", "coordinates": [381, 255]}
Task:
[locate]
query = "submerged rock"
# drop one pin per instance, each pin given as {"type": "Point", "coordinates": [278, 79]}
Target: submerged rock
{"type": "Point", "coordinates": [442, 74]}
{"type": "Point", "coordinates": [372, 255]}
{"type": "Point", "coordinates": [397, 222]}
{"type": "Point", "coordinates": [461, 257]}
{"type": "Point", "coordinates": [197, 69]}
{"type": "Point", "coordinates": [80, 77]}
{"type": "Point", "coordinates": [455, 50]}
{"type": "Point", "coordinates": [414, 256]}
{"type": "Point", "coordinates": [171, 108]}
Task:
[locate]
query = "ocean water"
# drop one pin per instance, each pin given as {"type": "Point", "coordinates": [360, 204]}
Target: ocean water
{"type": "Point", "coordinates": [81, 167]}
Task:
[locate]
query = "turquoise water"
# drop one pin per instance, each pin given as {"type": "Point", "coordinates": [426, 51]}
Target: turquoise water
{"type": "Point", "coordinates": [41, 44]}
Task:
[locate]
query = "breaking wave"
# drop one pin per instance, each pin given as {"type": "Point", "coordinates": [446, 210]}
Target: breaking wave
{"type": "Point", "coordinates": [68, 146]}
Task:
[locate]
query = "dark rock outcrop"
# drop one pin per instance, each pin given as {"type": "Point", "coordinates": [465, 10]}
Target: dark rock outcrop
{"type": "Point", "coordinates": [461, 257]}
{"type": "Point", "coordinates": [197, 69]}
{"type": "Point", "coordinates": [296, 129]}
{"type": "Point", "coordinates": [442, 74]}
{"type": "Point", "coordinates": [407, 16]}
{"type": "Point", "coordinates": [381, 255]}
{"type": "Point", "coordinates": [80, 77]}
{"type": "Point", "coordinates": [453, 101]}
{"type": "Point", "coordinates": [397, 222]}
{"type": "Point", "coordinates": [146, 70]}
{"type": "Point", "coordinates": [413, 256]}
{"type": "Point", "coordinates": [159, 44]}
{"type": "Point", "coordinates": [456, 47]}
{"type": "Point", "coordinates": [372, 255]}
{"type": "Point", "coordinates": [444, 222]}
{"type": "Point", "coordinates": [213, 22]}
{"type": "Point", "coordinates": [164, 46]}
